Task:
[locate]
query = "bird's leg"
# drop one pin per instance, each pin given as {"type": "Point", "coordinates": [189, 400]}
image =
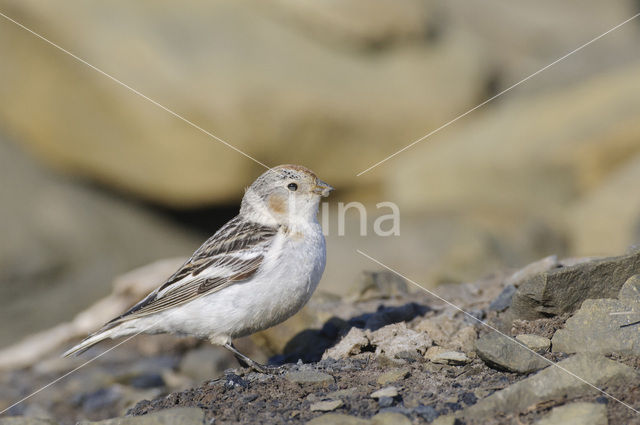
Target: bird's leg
{"type": "Point", "coordinates": [247, 362]}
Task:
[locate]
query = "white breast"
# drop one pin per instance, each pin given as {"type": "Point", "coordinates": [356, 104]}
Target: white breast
{"type": "Point", "coordinates": [289, 274]}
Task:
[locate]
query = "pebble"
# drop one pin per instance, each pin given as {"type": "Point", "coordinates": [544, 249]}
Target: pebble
{"type": "Point", "coordinates": [451, 358]}
{"type": "Point", "coordinates": [309, 377]}
{"type": "Point", "coordinates": [385, 392]}
{"type": "Point", "coordinates": [231, 380]}
{"type": "Point", "coordinates": [392, 376]}
{"type": "Point", "coordinates": [428, 413]}
{"type": "Point", "coordinates": [468, 398]}
{"type": "Point", "coordinates": [503, 301]}
{"type": "Point", "coordinates": [535, 342]}
{"type": "Point", "coordinates": [385, 402]}
{"type": "Point", "coordinates": [326, 406]}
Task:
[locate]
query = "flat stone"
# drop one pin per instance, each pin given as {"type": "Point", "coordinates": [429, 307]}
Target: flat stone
{"type": "Point", "coordinates": [563, 290]}
{"type": "Point", "coordinates": [576, 414]}
{"type": "Point", "coordinates": [390, 418]}
{"type": "Point", "coordinates": [174, 416]}
{"type": "Point", "coordinates": [504, 353]}
{"type": "Point", "coordinates": [309, 377]}
{"type": "Point", "coordinates": [392, 376]}
{"type": "Point", "coordinates": [503, 300]}
{"type": "Point", "coordinates": [535, 342]}
{"type": "Point", "coordinates": [385, 392]}
{"type": "Point", "coordinates": [597, 326]}
{"type": "Point", "coordinates": [554, 383]}
{"type": "Point", "coordinates": [326, 406]}
{"type": "Point", "coordinates": [337, 418]}
{"type": "Point", "coordinates": [451, 358]}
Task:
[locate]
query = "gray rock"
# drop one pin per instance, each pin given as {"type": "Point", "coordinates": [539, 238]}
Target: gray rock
{"type": "Point", "coordinates": [392, 375]}
{"type": "Point", "coordinates": [337, 418]}
{"type": "Point", "coordinates": [175, 416]}
{"type": "Point", "coordinates": [563, 290]}
{"type": "Point", "coordinates": [535, 342]}
{"type": "Point", "coordinates": [325, 406]}
{"type": "Point", "coordinates": [503, 301]}
{"type": "Point", "coordinates": [450, 358]}
{"type": "Point", "coordinates": [504, 353]}
{"type": "Point", "coordinates": [384, 402]}
{"type": "Point", "coordinates": [554, 383]}
{"type": "Point", "coordinates": [576, 414]}
{"type": "Point", "coordinates": [428, 413]}
{"type": "Point", "coordinates": [385, 392]}
{"type": "Point", "coordinates": [598, 326]}
{"type": "Point", "coordinates": [309, 377]}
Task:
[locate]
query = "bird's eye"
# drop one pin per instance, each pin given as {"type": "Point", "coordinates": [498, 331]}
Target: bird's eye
{"type": "Point", "coordinates": [292, 187]}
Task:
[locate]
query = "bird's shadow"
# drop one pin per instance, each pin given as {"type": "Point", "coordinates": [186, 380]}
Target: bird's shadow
{"type": "Point", "coordinates": [310, 344]}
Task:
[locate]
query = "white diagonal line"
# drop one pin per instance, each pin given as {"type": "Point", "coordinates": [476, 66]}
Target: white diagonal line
{"type": "Point", "coordinates": [175, 114]}
{"type": "Point", "coordinates": [496, 330]}
{"type": "Point", "coordinates": [79, 367]}
{"type": "Point", "coordinates": [431, 133]}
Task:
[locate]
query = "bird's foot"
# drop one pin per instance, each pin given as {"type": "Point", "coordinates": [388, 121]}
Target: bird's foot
{"type": "Point", "coordinates": [252, 364]}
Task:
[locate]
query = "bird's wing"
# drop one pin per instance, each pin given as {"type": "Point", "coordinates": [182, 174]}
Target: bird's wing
{"type": "Point", "coordinates": [233, 254]}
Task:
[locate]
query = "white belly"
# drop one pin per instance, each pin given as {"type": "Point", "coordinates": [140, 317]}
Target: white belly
{"type": "Point", "coordinates": [285, 281]}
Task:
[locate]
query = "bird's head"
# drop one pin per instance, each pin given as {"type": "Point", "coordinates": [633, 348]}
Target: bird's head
{"type": "Point", "coordinates": [284, 195]}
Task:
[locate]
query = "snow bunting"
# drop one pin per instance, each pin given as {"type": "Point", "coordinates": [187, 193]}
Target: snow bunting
{"type": "Point", "coordinates": [256, 271]}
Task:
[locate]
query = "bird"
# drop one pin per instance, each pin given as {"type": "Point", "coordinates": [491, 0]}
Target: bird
{"type": "Point", "coordinates": [256, 271]}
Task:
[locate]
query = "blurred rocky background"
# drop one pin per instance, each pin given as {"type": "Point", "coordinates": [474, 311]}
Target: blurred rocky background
{"type": "Point", "coordinates": [97, 181]}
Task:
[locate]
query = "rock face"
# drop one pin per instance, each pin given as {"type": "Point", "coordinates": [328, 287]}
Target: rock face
{"type": "Point", "coordinates": [553, 383]}
{"type": "Point", "coordinates": [599, 325]}
{"type": "Point", "coordinates": [563, 290]}
{"type": "Point", "coordinates": [251, 75]}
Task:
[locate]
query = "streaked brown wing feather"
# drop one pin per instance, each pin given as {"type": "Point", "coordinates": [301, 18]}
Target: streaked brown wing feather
{"type": "Point", "coordinates": [234, 239]}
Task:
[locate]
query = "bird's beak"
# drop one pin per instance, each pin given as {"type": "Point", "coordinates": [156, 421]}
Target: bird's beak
{"type": "Point", "coordinates": [322, 188]}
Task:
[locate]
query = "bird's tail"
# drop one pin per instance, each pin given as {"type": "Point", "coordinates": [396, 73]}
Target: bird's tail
{"type": "Point", "coordinates": [90, 341]}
